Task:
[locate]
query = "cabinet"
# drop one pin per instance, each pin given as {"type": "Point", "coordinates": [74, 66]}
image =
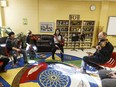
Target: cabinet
{"type": "Point", "coordinates": [78, 33]}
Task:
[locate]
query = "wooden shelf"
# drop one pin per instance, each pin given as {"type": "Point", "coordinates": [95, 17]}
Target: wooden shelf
{"type": "Point", "coordinates": [82, 28]}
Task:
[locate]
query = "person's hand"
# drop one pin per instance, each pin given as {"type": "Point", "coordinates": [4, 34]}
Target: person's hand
{"type": "Point", "coordinates": [89, 53]}
{"type": "Point", "coordinates": [30, 46]}
{"type": "Point", "coordinates": [98, 47]}
{"type": "Point", "coordinates": [18, 50]}
{"type": "Point", "coordinates": [38, 38]}
{"type": "Point", "coordinates": [112, 74]}
{"type": "Point", "coordinates": [18, 40]}
{"type": "Point", "coordinates": [56, 46]}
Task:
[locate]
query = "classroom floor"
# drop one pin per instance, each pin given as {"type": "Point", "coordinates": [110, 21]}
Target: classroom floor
{"type": "Point", "coordinates": [80, 53]}
{"type": "Point", "coordinates": [11, 74]}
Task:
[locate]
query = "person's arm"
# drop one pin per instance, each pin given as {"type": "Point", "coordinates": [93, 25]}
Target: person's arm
{"type": "Point", "coordinates": [112, 74]}
{"type": "Point", "coordinates": [61, 38]}
{"type": "Point", "coordinates": [105, 51]}
{"type": "Point", "coordinates": [16, 49]}
{"type": "Point", "coordinates": [108, 48]}
{"type": "Point", "coordinates": [27, 40]}
{"type": "Point", "coordinates": [10, 46]}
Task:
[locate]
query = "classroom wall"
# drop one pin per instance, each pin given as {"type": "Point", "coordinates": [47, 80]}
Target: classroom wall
{"type": "Point", "coordinates": [36, 11]}
{"type": "Point", "coordinates": [19, 11]}
{"type": "Point", "coordinates": [52, 10]}
{"type": "Point", "coordinates": [107, 9]}
{"type": "Point", "coordinates": [0, 14]}
{"type": "Point", "coordinates": [0, 18]}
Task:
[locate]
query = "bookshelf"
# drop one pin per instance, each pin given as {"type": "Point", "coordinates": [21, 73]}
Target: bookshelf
{"type": "Point", "coordinates": [84, 29]}
{"type": "Point", "coordinates": [87, 30]}
{"type": "Point", "coordinates": [63, 25]}
{"type": "Point", "coordinates": [74, 31]}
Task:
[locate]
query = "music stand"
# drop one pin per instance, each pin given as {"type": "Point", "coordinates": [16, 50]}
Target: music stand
{"type": "Point", "coordinates": [75, 38]}
{"type": "Point", "coordinates": [82, 38]}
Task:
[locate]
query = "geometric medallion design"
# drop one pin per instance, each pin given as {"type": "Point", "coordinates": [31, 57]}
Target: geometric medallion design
{"type": "Point", "coordinates": [53, 78]}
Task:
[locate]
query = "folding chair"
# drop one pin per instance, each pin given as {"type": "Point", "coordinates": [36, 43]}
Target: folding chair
{"type": "Point", "coordinates": [112, 62]}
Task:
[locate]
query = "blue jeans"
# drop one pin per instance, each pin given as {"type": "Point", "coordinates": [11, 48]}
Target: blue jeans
{"type": "Point", "coordinates": [15, 55]}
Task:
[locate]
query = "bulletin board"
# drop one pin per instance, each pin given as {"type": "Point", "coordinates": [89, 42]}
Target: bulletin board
{"type": "Point", "coordinates": [46, 27]}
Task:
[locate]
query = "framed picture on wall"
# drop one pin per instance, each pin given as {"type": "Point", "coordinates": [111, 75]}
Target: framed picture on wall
{"type": "Point", "coordinates": [46, 27]}
{"type": "Point", "coordinates": [74, 17]}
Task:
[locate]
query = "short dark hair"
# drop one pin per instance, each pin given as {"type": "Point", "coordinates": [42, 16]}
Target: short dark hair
{"type": "Point", "coordinates": [29, 32]}
{"type": "Point", "coordinates": [11, 33]}
{"type": "Point", "coordinates": [104, 33]}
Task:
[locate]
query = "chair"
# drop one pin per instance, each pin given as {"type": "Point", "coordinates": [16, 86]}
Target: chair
{"type": "Point", "coordinates": [112, 62]}
{"type": "Point", "coordinates": [1, 63]}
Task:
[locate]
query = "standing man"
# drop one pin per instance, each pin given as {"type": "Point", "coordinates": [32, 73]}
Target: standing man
{"type": "Point", "coordinates": [13, 49]}
{"type": "Point", "coordinates": [103, 53]}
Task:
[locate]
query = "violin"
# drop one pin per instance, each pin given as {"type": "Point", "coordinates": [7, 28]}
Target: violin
{"type": "Point", "coordinates": [101, 45]}
{"type": "Point", "coordinates": [33, 37]}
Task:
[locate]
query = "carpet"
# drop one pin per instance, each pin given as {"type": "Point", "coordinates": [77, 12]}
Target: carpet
{"type": "Point", "coordinates": [45, 72]}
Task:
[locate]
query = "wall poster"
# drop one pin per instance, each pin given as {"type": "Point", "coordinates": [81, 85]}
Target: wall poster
{"type": "Point", "coordinates": [46, 27]}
